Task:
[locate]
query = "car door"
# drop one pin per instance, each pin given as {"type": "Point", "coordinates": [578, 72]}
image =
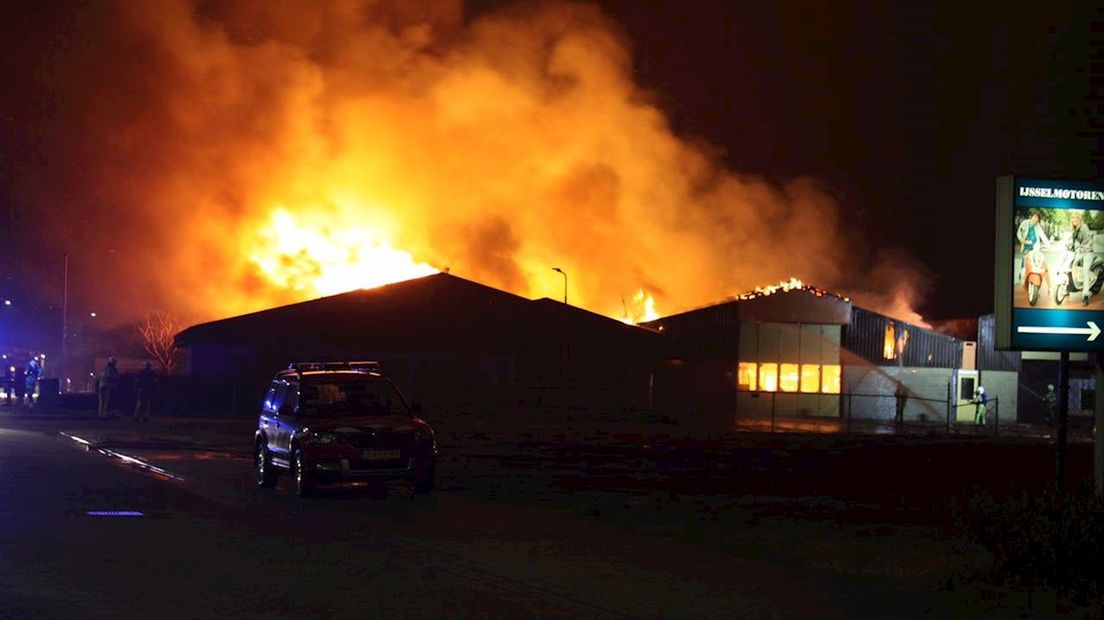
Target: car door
{"type": "Point", "coordinates": [267, 421]}
{"type": "Point", "coordinates": [288, 418]}
{"type": "Point", "coordinates": [275, 423]}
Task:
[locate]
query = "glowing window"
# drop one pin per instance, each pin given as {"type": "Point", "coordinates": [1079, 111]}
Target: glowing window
{"type": "Point", "coordinates": [889, 343]}
{"type": "Point", "coordinates": [788, 378]}
{"type": "Point", "coordinates": [745, 378]}
{"type": "Point", "coordinates": [768, 377]}
{"type": "Point", "coordinates": [810, 377]}
{"type": "Point", "coordinates": [830, 379]}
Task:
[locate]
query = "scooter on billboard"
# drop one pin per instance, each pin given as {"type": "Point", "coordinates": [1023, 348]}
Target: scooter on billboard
{"type": "Point", "coordinates": [1068, 278]}
{"type": "Point", "coordinates": [1036, 271]}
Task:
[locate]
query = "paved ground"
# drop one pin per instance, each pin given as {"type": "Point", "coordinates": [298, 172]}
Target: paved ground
{"type": "Point", "coordinates": [499, 540]}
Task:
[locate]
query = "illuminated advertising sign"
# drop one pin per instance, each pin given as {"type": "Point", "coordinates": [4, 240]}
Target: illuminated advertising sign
{"type": "Point", "coordinates": [1050, 265]}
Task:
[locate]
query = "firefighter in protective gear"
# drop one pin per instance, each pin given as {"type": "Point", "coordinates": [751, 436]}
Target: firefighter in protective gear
{"type": "Point", "coordinates": [981, 405]}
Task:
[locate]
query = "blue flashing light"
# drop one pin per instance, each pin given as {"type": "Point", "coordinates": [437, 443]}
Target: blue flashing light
{"type": "Point", "coordinates": [115, 513]}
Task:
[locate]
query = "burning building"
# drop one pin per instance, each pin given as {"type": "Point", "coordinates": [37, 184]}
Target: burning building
{"type": "Point", "coordinates": [445, 341]}
{"type": "Point", "coordinates": [788, 351]}
{"type": "Point", "coordinates": [798, 351]}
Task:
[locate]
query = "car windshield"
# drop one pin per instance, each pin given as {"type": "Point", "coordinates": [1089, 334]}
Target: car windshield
{"type": "Point", "coordinates": [349, 396]}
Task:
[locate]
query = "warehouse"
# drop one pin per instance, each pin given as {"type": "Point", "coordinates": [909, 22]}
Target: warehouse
{"type": "Point", "coordinates": [794, 351]}
{"type": "Point", "coordinates": [444, 340]}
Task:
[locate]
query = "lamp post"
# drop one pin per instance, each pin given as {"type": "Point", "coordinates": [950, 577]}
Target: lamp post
{"type": "Point", "coordinates": [64, 384]}
{"type": "Point", "coordinates": [562, 273]}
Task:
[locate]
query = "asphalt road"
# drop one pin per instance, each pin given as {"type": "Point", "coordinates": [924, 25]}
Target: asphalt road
{"type": "Point", "coordinates": [208, 544]}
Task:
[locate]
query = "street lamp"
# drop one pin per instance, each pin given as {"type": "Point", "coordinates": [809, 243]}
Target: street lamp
{"type": "Point", "coordinates": [562, 273]}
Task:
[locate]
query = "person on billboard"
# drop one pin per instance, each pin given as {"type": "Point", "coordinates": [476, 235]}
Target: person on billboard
{"type": "Point", "coordinates": [1080, 243]}
{"type": "Point", "coordinates": [1031, 236]}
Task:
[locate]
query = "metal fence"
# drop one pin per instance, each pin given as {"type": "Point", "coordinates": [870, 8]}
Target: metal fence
{"type": "Point", "coordinates": [877, 414]}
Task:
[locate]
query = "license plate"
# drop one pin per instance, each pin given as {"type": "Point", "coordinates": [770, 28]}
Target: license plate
{"type": "Point", "coordinates": [381, 455]}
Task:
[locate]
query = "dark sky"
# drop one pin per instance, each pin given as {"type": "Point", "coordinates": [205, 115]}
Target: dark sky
{"type": "Point", "coordinates": [905, 111]}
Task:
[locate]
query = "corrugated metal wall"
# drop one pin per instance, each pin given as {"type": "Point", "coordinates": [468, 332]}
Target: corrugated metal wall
{"type": "Point", "coordinates": [988, 357]}
{"type": "Point", "coordinates": [866, 337]}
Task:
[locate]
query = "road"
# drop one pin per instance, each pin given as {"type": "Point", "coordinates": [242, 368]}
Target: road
{"type": "Point", "coordinates": [208, 544]}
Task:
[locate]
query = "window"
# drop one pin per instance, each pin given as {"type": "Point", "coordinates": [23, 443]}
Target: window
{"type": "Point", "coordinates": [745, 378]}
{"type": "Point", "coordinates": [966, 388]}
{"type": "Point", "coordinates": [810, 378]}
{"type": "Point", "coordinates": [830, 379]}
{"type": "Point", "coordinates": [889, 343]}
{"type": "Point", "coordinates": [768, 377]}
{"type": "Point", "coordinates": [788, 378]}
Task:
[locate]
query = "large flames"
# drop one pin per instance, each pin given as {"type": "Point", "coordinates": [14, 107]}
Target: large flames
{"type": "Point", "coordinates": [312, 256]}
{"type": "Point", "coordinates": [400, 137]}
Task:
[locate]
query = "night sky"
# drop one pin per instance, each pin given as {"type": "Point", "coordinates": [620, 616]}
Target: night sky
{"type": "Point", "coordinates": [908, 111]}
{"type": "Point", "coordinates": [904, 112]}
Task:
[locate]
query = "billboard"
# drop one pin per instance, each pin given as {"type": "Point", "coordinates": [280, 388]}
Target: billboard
{"type": "Point", "coordinates": [1049, 265]}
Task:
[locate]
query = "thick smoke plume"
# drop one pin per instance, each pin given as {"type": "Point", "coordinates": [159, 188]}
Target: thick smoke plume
{"type": "Point", "coordinates": [164, 135]}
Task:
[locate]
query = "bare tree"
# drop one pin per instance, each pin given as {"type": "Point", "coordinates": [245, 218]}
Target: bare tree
{"type": "Point", "coordinates": [158, 332]}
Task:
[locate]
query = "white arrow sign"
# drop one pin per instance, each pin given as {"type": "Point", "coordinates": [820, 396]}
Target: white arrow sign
{"type": "Point", "coordinates": [1092, 331]}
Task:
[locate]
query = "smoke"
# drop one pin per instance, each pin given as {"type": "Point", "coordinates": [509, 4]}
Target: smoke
{"type": "Point", "coordinates": [161, 137]}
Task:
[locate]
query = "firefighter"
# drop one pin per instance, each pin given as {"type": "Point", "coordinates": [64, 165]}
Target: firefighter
{"type": "Point", "coordinates": [9, 383]}
{"type": "Point", "coordinates": [143, 392]}
{"type": "Point", "coordinates": [901, 394]}
{"type": "Point", "coordinates": [981, 404]}
{"type": "Point", "coordinates": [108, 382]}
{"type": "Point", "coordinates": [30, 382]}
{"type": "Point", "coordinates": [1051, 400]}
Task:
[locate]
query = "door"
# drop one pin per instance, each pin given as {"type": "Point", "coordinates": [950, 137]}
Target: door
{"type": "Point", "coordinates": [966, 383]}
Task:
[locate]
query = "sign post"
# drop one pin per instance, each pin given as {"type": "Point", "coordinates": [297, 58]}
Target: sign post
{"type": "Point", "coordinates": [1049, 281]}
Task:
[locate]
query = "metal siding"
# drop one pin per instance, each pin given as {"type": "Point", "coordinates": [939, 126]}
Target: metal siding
{"type": "Point", "coordinates": [769, 342]}
{"type": "Point", "coordinates": [811, 344]}
{"type": "Point", "coordinates": [830, 351]}
{"type": "Point", "coordinates": [789, 343]}
{"type": "Point", "coordinates": [988, 358]}
{"type": "Point", "coordinates": [749, 342]}
{"type": "Point", "coordinates": [865, 337]}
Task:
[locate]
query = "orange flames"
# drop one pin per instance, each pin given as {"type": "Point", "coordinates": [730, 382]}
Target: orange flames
{"type": "Point", "coordinates": [313, 256]}
{"type": "Point", "coordinates": [401, 137]}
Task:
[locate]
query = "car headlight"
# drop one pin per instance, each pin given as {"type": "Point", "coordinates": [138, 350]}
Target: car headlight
{"type": "Point", "coordinates": [319, 437]}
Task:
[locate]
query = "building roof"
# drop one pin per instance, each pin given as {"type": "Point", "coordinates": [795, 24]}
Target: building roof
{"type": "Point", "coordinates": [410, 314]}
{"type": "Point", "coordinates": [782, 304]}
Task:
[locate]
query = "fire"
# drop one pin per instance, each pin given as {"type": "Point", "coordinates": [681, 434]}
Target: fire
{"type": "Point", "coordinates": [400, 137]}
{"type": "Point", "coordinates": [894, 343]}
{"type": "Point", "coordinates": [641, 310]}
{"type": "Point", "coordinates": [785, 286]}
{"type": "Point", "coordinates": [309, 255]}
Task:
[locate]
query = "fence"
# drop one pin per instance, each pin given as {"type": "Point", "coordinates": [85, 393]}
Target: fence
{"type": "Point", "coordinates": [879, 414]}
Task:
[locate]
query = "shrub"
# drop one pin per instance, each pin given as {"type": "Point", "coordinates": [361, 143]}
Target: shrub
{"type": "Point", "coordinates": [1049, 540]}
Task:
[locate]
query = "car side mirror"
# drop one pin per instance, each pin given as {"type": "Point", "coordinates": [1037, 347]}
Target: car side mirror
{"type": "Point", "coordinates": [285, 409]}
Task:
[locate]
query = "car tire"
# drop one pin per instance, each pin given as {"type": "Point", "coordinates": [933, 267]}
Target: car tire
{"type": "Point", "coordinates": [262, 466]}
{"type": "Point", "coordinates": [424, 487]}
{"type": "Point", "coordinates": [304, 486]}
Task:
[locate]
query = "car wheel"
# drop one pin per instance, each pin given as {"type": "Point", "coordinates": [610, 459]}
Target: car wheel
{"type": "Point", "coordinates": [304, 486]}
{"type": "Point", "coordinates": [429, 484]}
{"type": "Point", "coordinates": [262, 465]}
